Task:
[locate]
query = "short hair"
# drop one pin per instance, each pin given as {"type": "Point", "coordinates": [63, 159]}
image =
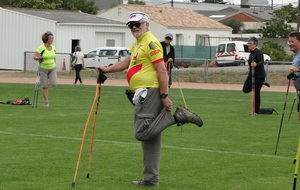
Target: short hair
{"type": "Point", "coordinates": [45, 36]}
{"type": "Point", "coordinates": [295, 34]}
{"type": "Point", "coordinates": [77, 48]}
{"type": "Point", "coordinates": [254, 40]}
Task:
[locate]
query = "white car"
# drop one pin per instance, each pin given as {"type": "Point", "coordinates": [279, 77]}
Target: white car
{"type": "Point", "coordinates": [234, 53]}
{"type": "Point", "coordinates": [105, 56]}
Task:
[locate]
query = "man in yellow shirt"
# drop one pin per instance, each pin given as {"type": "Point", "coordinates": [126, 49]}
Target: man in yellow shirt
{"type": "Point", "coordinates": [148, 79]}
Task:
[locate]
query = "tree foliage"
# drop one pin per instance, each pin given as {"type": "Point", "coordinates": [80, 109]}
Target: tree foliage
{"type": "Point", "coordinates": [275, 51]}
{"type": "Point", "coordinates": [214, 1]}
{"type": "Point", "coordinates": [276, 28]}
{"type": "Point", "coordinates": [87, 6]}
{"type": "Point", "coordinates": [137, 2]}
{"type": "Point", "coordinates": [234, 24]}
{"type": "Point", "coordinates": [287, 13]}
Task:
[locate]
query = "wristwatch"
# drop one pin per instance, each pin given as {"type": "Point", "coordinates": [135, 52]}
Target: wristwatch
{"type": "Point", "coordinates": [164, 95]}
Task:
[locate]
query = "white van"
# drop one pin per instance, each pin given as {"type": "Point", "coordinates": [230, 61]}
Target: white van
{"type": "Point", "coordinates": [234, 53]}
{"type": "Point", "coordinates": [105, 56]}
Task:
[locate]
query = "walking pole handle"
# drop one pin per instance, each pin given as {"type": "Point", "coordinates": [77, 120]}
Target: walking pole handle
{"type": "Point", "coordinates": [101, 77]}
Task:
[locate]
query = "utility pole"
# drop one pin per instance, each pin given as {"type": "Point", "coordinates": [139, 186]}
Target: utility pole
{"type": "Point", "coordinates": [272, 5]}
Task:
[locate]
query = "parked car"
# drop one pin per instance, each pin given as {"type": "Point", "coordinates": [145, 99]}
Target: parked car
{"type": "Point", "coordinates": [105, 56]}
{"type": "Point", "coordinates": [234, 53]}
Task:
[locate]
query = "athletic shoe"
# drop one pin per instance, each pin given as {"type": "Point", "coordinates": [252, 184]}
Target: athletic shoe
{"type": "Point", "coordinates": [46, 104]}
{"type": "Point", "coordinates": [182, 115]}
{"type": "Point", "coordinates": [144, 183]}
{"type": "Point", "coordinates": [256, 114]}
{"type": "Point", "coordinates": [266, 83]}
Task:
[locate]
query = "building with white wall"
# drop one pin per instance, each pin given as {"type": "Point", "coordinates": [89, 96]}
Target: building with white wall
{"type": "Point", "coordinates": [187, 26]}
{"type": "Point", "coordinates": [21, 31]}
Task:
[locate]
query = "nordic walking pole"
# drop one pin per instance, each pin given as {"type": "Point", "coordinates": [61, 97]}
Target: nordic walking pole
{"type": "Point", "coordinates": [180, 89]}
{"type": "Point", "coordinates": [292, 107]}
{"type": "Point", "coordinates": [101, 79]}
{"type": "Point", "coordinates": [296, 161]}
{"type": "Point", "coordinates": [253, 90]}
{"type": "Point", "coordinates": [98, 94]}
{"type": "Point", "coordinates": [282, 116]}
{"type": "Point", "coordinates": [36, 88]}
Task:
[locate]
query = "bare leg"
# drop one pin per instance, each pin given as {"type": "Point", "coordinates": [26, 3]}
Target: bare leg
{"type": "Point", "coordinates": [45, 94]}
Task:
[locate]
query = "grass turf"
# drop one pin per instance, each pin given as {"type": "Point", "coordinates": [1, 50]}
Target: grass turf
{"type": "Point", "coordinates": [40, 146]}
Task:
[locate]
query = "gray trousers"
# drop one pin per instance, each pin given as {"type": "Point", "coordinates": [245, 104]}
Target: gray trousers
{"type": "Point", "coordinates": [150, 120]}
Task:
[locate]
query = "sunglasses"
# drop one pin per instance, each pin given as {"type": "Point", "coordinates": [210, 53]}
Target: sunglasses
{"type": "Point", "coordinates": [168, 38]}
{"type": "Point", "coordinates": [137, 24]}
{"type": "Point", "coordinates": [49, 33]}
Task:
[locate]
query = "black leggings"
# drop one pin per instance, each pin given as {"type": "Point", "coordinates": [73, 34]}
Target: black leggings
{"type": "Point", "coordinates": [78, 69]}
{"type": "Point", "coordinates": [248, 88]}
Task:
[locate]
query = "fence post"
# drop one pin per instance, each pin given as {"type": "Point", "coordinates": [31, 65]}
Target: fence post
{"type": "Point", "coordinates": [24, 69]}
{"type": "Point", "coordinates": [206, 71]}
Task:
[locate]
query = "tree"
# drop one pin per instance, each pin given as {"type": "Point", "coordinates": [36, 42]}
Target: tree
{"type": "Point", "coordinates": [275, 51]}
{"type": "Point", "coordinates": [276, 28]}
{"type": "Point", "coordinates": [137, 2]}
{"type": "Point", "coordinates": [234, 24]}
{"type": "Point", "coordinates": [87, 6]}
{"type": "Point", "coordinates": [288, 13]}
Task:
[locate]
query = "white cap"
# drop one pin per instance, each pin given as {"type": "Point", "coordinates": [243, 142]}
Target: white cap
{"type": "Point", "coordinates": [137, 16]}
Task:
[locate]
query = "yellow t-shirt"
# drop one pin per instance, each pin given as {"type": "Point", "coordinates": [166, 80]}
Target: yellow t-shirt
{"type": "Point", "coordinates": [144, 53]}
{"type": "Point", "coordinates": [48, 57]}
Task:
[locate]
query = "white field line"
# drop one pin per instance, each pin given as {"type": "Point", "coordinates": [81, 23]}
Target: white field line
{"type": "Point", "coordinates": [138, 144]}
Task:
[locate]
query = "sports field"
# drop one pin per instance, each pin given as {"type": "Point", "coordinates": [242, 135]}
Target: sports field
{"type": "Point", "coordinates": [232, 151]}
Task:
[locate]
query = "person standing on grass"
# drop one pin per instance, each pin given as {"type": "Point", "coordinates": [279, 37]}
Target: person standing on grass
{"type": "Point", "coordinates": [169, 55]}
{"type": "Point", "coordinates": [79, 64]}
{"type": "Point", "coordinates": [256, 60]}
{"type": "Point", "coordinates": [294, 45]}
{"type": "Point", "coordinates": [45, 55]}
{"type": "Point", "coordinates": [148, 80]}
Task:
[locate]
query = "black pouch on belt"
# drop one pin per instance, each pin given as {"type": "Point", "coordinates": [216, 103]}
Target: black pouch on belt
{"type": "Point", "coordinates": [130, 95]}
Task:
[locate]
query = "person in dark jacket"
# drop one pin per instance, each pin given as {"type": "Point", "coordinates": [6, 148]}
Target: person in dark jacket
{"type": "Point", "coordinates": [256, 60]}
{"type": "Point", "coordinates": [169, 55]}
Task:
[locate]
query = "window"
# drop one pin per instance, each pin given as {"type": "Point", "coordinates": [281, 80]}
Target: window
{"type": "Point", "coordinates": [123, 53]}
{"type": "Point", "coordinates": [107, 52]}
{"type": "Point", "coordinates": [92, 54]}
{"type": "Point", "coordinates": [230, 47]}
{"type": "Point", "coordinates": [246, 48]}
{"type": "Point", "coordinates": [221, 48]}
{"type": "Point", "coordinates": [110, 43]}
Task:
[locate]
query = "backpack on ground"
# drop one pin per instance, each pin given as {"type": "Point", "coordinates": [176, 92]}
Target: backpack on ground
{"type": "Point", "coordinates": [24, 101]}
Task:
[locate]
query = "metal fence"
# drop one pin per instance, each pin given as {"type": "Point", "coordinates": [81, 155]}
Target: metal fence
{"type": "Point", "coordinates": [209, 68]}
{"type": "Point", "coordinates": [63, 61]}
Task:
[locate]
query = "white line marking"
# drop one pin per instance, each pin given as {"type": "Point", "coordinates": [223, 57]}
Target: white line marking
{"type": "Point", "coordinates": [163, 146]}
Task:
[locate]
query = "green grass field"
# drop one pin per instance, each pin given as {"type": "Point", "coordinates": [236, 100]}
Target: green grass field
{"type": "Point", "coordinates": [232, 151]}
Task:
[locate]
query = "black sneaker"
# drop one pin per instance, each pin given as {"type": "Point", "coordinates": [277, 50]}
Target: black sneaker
{"type": "Point", "coordinates": [182, 115]}
{"type": "Point", "coordinates": [144, 183]}
{"type": "Point", "coordinates": [266, 83]}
